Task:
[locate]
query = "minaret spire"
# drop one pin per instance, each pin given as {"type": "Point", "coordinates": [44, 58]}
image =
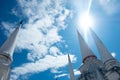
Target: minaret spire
{"type": "Point", "coordinates": [85, 50]}
{"type": "Point", "coordinates": [111, 65]}
{"type": "Point", "coordinates": [105, 54]}
{"type": "Point", "coordinates": [6, 53]}
{"type": "Point", "coordinates": [72, 76]}
{"type": "Point", "coordinates": [8, 47]}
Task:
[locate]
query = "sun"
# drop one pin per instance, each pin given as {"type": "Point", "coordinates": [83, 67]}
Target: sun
{"type": "Point", "coordinates": [85, 21]}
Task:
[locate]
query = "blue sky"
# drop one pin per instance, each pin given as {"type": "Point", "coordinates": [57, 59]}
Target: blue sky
{"type": "Point", "coordinates": [49, 34]}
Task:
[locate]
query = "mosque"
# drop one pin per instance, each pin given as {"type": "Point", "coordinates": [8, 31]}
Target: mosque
{"type": "Point", "coordinates": [108, 68]}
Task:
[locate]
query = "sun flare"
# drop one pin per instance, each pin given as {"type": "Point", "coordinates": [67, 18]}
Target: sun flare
{"type": "Point", "coordinates": [85, 21]}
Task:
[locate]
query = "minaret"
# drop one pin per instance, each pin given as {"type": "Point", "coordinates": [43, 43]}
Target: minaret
{"type": "Point", "coordinates": [112, 66]}
{"type": "Point", "coordinates": [72, 76]}
{"type": "Point", "coordinates": [105, 54]}
{"type": "Point", "coordinates": [86, 52]}
{"type": "Point", "coordinates": [90, 64]}
{"type": "Point", "coordinates": [6, 53]}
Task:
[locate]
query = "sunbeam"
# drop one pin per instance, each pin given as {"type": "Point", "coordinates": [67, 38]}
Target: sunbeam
{"type": "Point", "coordinates": [85, 19]}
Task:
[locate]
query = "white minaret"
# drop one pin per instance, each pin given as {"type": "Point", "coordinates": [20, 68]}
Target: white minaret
{"type": "Point", "coordinates": [111, 64]}
{"type": "Point", "coordinates": [86, 52]}
{"type": "Point", "coordinates": [105, 54]}
{"type": "Point", "coordinates": [6, 53]}
{"type": "Point", "coordinates": [90, 69]}
{"type": "Point", "coordinates": [72, 76]}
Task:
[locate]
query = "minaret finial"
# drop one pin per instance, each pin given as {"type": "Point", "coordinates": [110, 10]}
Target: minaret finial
{"type": "Point", "coordinates": [105, 54]}
{"type": "Point", "coordinates": [21, 22]}
{"type": "Point", "coordinates": [72, 76]}
{"type": "Point", "coordinates": [85, 50]}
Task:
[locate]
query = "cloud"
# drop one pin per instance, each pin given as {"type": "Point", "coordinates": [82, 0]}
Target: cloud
{"type": "Point", "coordinates": [76, 72]}
{"type": "Point", "coordinates": [54, 51]}
{"type": "Point", "coordinates": [41, 65]}
{"type": "Point", "coordinates": [45, 19]}
{"type": "Point", "coordinates": [8, 26]}
{"type": "Point", "coordinates": [61, 75]}
{"type": "Point", "coordinates": [113, 54]}
{"type": "Point", "coordinates": [54, 70]}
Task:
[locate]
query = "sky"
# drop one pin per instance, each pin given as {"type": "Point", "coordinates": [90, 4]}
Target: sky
{"type": "Point", "coordinates": [48, 34]}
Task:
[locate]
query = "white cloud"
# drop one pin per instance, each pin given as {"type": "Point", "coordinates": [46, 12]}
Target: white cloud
{"type": "Point", "coordinates": [61, 75]}
{"type": "Point", "coordinates": [113, 54]}
{"type": "Point", "coordinates": [39, 34]}
{"type": "Point", "coordinates": [54, 51]}
{"type": "Point", "coordinates": [42, 29]}
{"type": "Point", "coordinates": [8, 26]}
{"type": "Point", "coordinates": [41, 65]}
{"type": "Point", "coordinates": [76, 72]}
{"type": "Point", "coordinates": [54, 70]}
